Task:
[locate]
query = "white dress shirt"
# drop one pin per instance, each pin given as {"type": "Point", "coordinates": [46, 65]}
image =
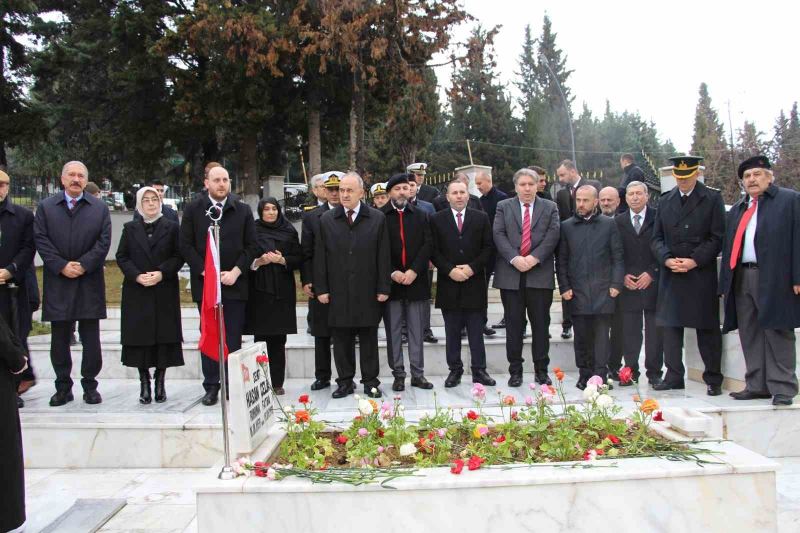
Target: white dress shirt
{"type": "Point", "coordinates": [355, 211]}
{"type": "Point", "coordinates": [530, 209]}
{"type": "Point", "coordinates": [215, 202]}
{"type": "Point", "coordinates": [749, 245]}
{"type": "Point", "coordinates": [463, 215]}
{"type": "Point", "coordinates": [642, 213]}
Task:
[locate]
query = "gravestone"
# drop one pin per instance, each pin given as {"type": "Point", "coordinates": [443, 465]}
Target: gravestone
{"type": "Point", "coordinates": [251, 400]}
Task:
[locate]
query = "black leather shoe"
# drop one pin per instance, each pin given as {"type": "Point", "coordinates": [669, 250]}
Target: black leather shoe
{"type": "Point", "coordinates": [320, 384]}
{"type": "Point", "coordinates": [20, 403]}
{"type": "Point", "coordinates": [343, 390]}
{"type": "Point", "coordinates": [369, 392]}
{"type": "Point", "coordinates": [566, 333]}
{"type": "Point", "coordinates": [421, 383]}
{"type": "Point", "coordinates": [714, 390]}
{"type": "Point", "coordinates": [279, 391]}
{"type": "Point", "coordinates": [627, 383]}
{"type": "Point", "coordinates": [92, 397]}
{"type": "Point", "coordinates": [655, 381]}
{"type": "Point", "coordinates": [781, 400]}
{"type": "Point", "coordinates": [613, 374]}
{"type": "Point", "coordinates": [429, 338]}
{"type": "Point", "coordinates": [61, 398]}
{"type": "Point", "coordinates": [489, 332]}
{"type": "Point", "coordinates": [211, 397]}
{"type": "Point", "coordinates": [480, 376]}
{"type": "Point", "coordinates": [581, 384]}
{"type": "Point", "coordinates": [748, 395]}
{"type": "Point", "coordinates": [515, 380]}
{"type": "Point", "coordinates": [542, 378]}
{"type": "Point", "coordinates": [453, 379]}
{"type": "Point", "coordinates": [399, 384]}
{"type": "Point", "coordinates": [669, 386]}
{"type": "Point", "coordinates": [501, 324]}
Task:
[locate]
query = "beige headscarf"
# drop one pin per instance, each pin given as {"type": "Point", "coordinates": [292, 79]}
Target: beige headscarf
{"type": "Point", "coordinates": [139, 196]}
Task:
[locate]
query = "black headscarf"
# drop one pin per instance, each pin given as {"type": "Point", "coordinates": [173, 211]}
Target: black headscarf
{"type": "Point", "coordinates": [272, 236]}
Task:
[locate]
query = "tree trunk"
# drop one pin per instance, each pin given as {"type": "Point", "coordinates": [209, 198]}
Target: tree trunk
{"type": "Point", "coordinates": [314, 141]}
{"type": "Point", "coordinates": [249, 186]}
{"type": "Point", "coordinates": [361, 150]}
{"type": "Point", "coordinates": [353, 149]}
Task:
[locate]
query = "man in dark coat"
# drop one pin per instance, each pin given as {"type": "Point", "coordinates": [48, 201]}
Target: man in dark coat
{"type": "Point", "coordinates": [440, 203]}
{"type": "Point", "coordinates": [490, 195]}
{"type": "Point", "coordinates": [425, 192]}
{"type": "Point", "coordinates": [590, 273]}
{"type": "Point", "coordinates": [687, 239]}
{"type": "Point", "coordinates": [16, 262]}
{"type": "Point", "coordinates": [760, 279]}
{"type": "Point", "coordinates": [640, 290]}
{"type": "Point", "coordinates": [238, 248]}
{"type": "Point", "coordinates": [462, 246]}
{"type": "Point", "coordinates": [541, 183]}
{"type": "Point", "coordinates": [410, 246]}
{"type": "Point", "coordinates": [609, 201]}
{"type": "Point", "coordinates": [526, 234]}
{"type": "Point", "coordinates": [12, 363]}
{"type": "Point", "coordinates": [352, 275]}
{"type": "Point", "coordinates": [569, 177]}
{"type": "Point", "coordinates": [167, 211]}
{"type": "Point", "coordinates": [317, 312]}
{"type": "Point", "coordinates": [630, 173]}
{"type": "Point", "coordinates": [72, 232]}
{"type": "Point", "coordinates": [427, 207]}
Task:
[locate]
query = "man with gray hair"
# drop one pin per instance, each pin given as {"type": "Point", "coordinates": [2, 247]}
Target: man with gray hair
{"type": "Point", "coordinates": [72, 231]}
{"type": "Point", "coordinates": [609, 201]}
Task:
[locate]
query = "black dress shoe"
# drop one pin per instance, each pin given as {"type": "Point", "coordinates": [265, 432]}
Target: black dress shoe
{"type": "Point", "coordinates": [320, 384]}
{"type": "Point", "coordinates": [627, 383]}
{"type": "Point", "coordinates": [489, 332]}
{"type": "Point", "coordinates": [421, 383]}
{"type": "Point", "coordinates": [453, 378]}
{"type": "Point", "coordinates": [61, 398]}
{"type": "Point", "coordinates": [748, 395]}
{"type": "Point", "coordinates": [92, 397]}
{"type": "Point", "coordinates": [343, 390]}
{"type": "Point", "coordinates": [714, 390]}
{"type": "Point", "coordinates": [515, 380]}
{"type": "Point", "coordinates": [542, 378]}
{"type": "Point", "coordinates": [566, 333]}
{"type": "Point", "coordinates": [482, 377]}
{"type": "Point", "coordinates": [399, 384]}
{"type": "Point", "coordinates": [613, 374]}
{"type": "Point", "coordinates": [211, 397]}
{"type": "Point", "coordinates": [654, 382]}
{"type": "Point", "coordinates": [669, 386]}
{"type": "Point", "coordinates": [429, 338]}
{"type": "Point", "coordinates": [279, 391]}
{"type": "Point", "coordinates": [501, 324]}
{"type": "Point", "coordinates": [376, 394]}
{"type": "Point", "coordinates": [20, 403]}
{"type": "Point", "coordinates": [581, 384]}
{"type": "Point", "coordinates": [779, 399]}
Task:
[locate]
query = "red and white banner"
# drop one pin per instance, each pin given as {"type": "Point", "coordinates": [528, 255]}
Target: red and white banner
{"type": "Point", "coordinates": [212, 298]}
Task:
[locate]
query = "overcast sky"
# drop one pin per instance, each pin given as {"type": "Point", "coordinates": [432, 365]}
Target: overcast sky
{"type": "Point", "coordinates": [651, 57]}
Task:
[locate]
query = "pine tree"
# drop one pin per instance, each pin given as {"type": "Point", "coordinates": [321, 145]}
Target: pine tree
{"type": "Point", "coordinates": [786, 149]}
{"type": "Point", "coordinates": [749, 142]}
{"type": "Point", "coordinates": [709, 142]}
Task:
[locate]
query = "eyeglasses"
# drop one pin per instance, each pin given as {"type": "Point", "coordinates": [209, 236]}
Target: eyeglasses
{"type": "Point", "coordinates": [149, 200]}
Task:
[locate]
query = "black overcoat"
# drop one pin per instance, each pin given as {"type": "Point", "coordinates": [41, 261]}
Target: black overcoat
{"type": "Point", "coordinates": [694, 230]}
{"type": "Point", "coordinates": [62, 235]}
{"type": "Point", "coordinates": [12, 500]}
{"type": "Point", "coordinates": [589, 263]}
{"type": "Point", "coordinates": [427, 193]}
{"type": "Point", "coordinates": [237, 243]}
{"type": "Point", "coordinates": [16, 255]}
{"type": "Point", "coordinates": [473, 247]}
{"type": "Point", "coordinates": [317, 312]}
{"type": "Point", "coordinates": [150, 315]}
{"type": "Point", "coordinates": [417, 234]}
{"type": "Point", "coordinates": [351, 264]}
{"type": "Point", "coordinates": [638, 259]}
{"type": "Point", "coordinates": [566, 202]}
{"type": "Point", "coordinates": [777, 243]}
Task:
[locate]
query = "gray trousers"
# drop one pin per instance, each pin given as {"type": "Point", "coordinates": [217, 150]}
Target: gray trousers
{"type": "Point", "coordinates": [393, 314]}
{"type": "Point", "coordinates": [769, 354]}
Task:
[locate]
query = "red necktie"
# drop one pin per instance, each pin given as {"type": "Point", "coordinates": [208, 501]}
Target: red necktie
{"type": "Point", "coordinates": [459, 222]}
{"type": "Point", "coordinates": [350, 214]}
{"type": "Point", "coordinates": [402, 239]}
{"type": "Point", "coordinates": [525, 246]}
{"type": "Point", "coordinates": [739, 237]}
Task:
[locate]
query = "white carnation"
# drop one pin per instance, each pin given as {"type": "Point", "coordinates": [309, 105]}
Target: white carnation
{"type": "Point", "coordinates": [364, 407]}
{"type": "Point", "coordinates": [408, 449]}
{"type": "Point", "coordinates": [604, 400]}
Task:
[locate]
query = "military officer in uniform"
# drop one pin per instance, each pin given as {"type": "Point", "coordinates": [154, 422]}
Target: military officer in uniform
{"type": "Point", "coordinates": [425, 192]}
{"type": "Point", "coordinates": [379, 195]}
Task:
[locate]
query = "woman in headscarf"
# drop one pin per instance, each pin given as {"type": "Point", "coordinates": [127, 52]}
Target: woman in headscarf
{"type": "Point", "coordinates": [271, 302]}
{"type": "Point", "coordinates": [151, 332]}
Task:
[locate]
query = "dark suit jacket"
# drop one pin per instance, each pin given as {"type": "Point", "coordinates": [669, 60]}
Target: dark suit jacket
{"type": "Point", "coordinates": [638, 259]}
{"type": "Point", "coordinates": [167, 211]}
{"type": "Point", "coordinates": [489, 201]}
{"type": "Point", "coordinates": [309, 233]}
{"type": "Point", "coordinates": [473, 247]}
{"type": "Point", "coordinates": [427, 193]}
{"type": "Point", "coordinates": [16, 243]}
{"type": "Point", "coordinates": [565, 201]}
{"type": "Point", "coordinates": [777, 244]}
{"type": "Point", "coordinates": [694, 230]}
{"type": "Point", "coordinates": [417, 235]}
{"type": "Point", "coordinates": [440, 203]}
{"type": "Point", "coordinates": [237, 243]}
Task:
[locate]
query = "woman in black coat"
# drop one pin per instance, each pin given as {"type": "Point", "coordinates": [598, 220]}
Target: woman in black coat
{"type": "Point", "coordinates": [271, 302]}
{"type": "Point", "coordinates": [12, 364]}
{"type": "Point", "coordinates": [151, 314]}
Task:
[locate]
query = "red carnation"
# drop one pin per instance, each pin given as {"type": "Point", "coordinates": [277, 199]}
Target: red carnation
{"type": "Point", "coordinates": [303, 398]}
{"type": "Point", "coordinates": [472, 415]}
{"type": "Point", "coordinates": [475, 462]}
{"type": "Point", "coordinates": [614, 439]}
{"type": "Point", "coordinates": [262, 359]}
{"type": "Point", "coordinates": [341, 439]}
{"type": "Point", "coordinates": [625, 374]}
{"type": "Point", "coordinates": [514, 415]}
{"type": "Point", "coordinates": [658, 416]}
{"type": "Point", "coordinates": [379, 432]}
{"type": "Point", "coordinates": [457, 467]}
{"type": "Point", "coordinates": [500, 439]}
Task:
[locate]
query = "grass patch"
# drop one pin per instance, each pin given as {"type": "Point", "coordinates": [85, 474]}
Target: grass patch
{"type": "Point", "coordinates": [40, 328]}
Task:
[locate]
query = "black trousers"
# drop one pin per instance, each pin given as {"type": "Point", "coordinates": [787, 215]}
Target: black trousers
{"type": "Point", "coordinates": [591, 345]}
{"type": "Point", "coordinates": [632, 343]}
{"type": "Point", "coordinates": [61, 357]}
{"type": "Point", "coordinates": [276, 351]}
{"type": "Point", "coordinates": [615, 344]}
{"type": "Point", "coordinates": [709, 343]}
{"type": "Point", "coordinates": [566, 314]}
{"type": "Point", "coordinates": [345, 358]}
{"type": "Point", "coordinates": [536, 304]}
{"type": "Point", "coordinates": [454, 321]}
{"type": "Point", "coordinates": [234, 326]}
{"type": "Point", "coordinates": [322, 358]}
